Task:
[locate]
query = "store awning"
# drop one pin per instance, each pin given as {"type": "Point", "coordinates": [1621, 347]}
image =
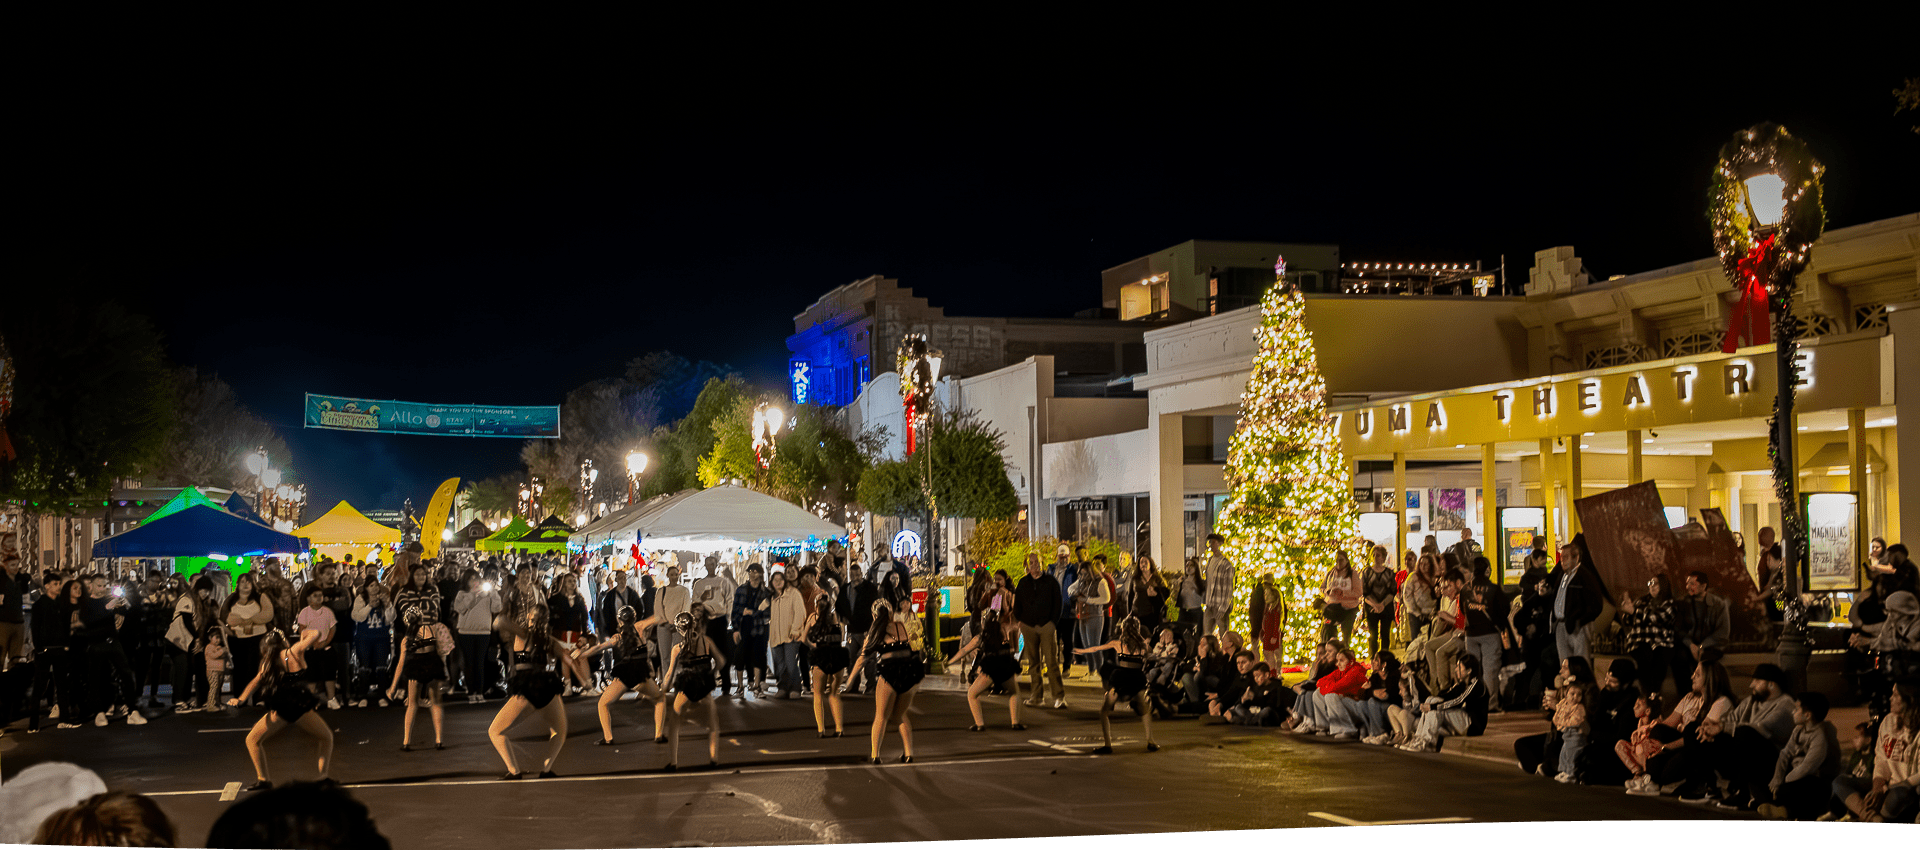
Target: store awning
{"type": "Point", "coordinates": [199, 531]}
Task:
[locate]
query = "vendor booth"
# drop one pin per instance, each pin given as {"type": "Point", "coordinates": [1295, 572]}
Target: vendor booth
{"type": "Point", "coordinates": [344, 531]}
{"type": "Point", "coordinates": [502, 540]}
{"type": "Point", "coordinates": [195, 535]}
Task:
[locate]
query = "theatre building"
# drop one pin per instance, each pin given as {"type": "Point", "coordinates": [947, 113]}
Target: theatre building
{"type": "Point", "coordinates": [1575, 389]}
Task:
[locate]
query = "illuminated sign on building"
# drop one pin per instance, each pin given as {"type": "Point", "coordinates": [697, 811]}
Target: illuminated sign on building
{"type": "Point", "coordinates": [799, 376]}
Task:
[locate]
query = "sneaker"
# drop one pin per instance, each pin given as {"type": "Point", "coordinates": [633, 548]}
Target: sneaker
{"type": "Point", "coordinates": [1563, 777]}
{"type": "Point", "coordinates": [68, 725]}
{"type": "Point", "coordinates": [1643, 789]}
{"type": "Point", "coordinates": [1346, 737]}
{"type": "Point", "coordinates": [53, 714]}
{"type": "Point", "coordinates": [1702, 795]}
{"type": "Point", "coordinates": [1059, 703]}
{"type": "Point", "coordinates": [100, 720]}
{"type": "Point", "coordinates": [136, 719]}
{"type": "Point", "coordinates": [1774, 811]}
{"type": "Point", "coordinates": [333, 703]}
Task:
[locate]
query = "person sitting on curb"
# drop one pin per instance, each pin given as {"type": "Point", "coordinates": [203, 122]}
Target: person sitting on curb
{"type": "Point", "coordinates": [1747, 742]}
{"type": "Point", "coordinates": [1460, 710]}
{"type": "Point", "coordinates": [1263, 705]}
{"type": "Point", "coordinates": [1229, 694]}
{"type": "Point", "coordinates": [1336, 699]}
{"type": "Point", "coordinates": [1803, 775]}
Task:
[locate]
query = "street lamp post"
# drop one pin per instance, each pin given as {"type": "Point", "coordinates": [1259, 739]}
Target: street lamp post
{"type": "Point", "coordinates": [919, 367]}
{"type": "Point", "coordinates": [636, 464]}
{"type": "Point", "coordinates": [1766, 213]}
{"type": "Point", "coordinates": [767, 420]}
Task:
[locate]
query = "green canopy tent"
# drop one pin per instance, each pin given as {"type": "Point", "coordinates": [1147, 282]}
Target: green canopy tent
{"type": "Point", "coordinates": [548, 537]}
{"type": "Point", "coordinates": [502, 540]}
{"type": "Point", "coordinates": [189, 497]}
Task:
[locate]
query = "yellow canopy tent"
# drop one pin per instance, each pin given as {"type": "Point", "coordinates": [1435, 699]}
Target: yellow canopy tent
{"type": "Point", "coordinates": [344, 530]}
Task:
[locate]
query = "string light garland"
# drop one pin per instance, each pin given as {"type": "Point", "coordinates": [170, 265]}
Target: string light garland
{"type": "Point", "coordinates": [1290, 509]}
{"type": "Point", "coordinates": [6, 400]}
{"type": "Point", "coordinates": [1761, 259]}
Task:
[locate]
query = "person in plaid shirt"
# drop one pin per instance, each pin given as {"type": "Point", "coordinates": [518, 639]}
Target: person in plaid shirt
{"type": "Point", "coordinates": [1219, 586]}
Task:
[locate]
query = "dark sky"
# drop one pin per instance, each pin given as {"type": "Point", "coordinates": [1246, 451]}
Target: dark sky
{"type": "Point", "coordinates": [500, 227]}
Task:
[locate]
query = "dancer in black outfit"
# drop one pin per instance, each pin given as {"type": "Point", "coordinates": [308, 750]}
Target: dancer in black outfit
{"type": "Point", "coordinates": [533, 688]}
{"type": "Point", "coordinates": [691, 671]}
{"type": "Point", "coordinates": [901, 669]}
{"type": "Point", "coordinates": [424, 673]}
{"type": "Point", "coordinates": [1126, 679]}
{"type": "Point", "coordinates": [828, 650]}
{"type": "Point", "coordinates": [290, 700]}
{"type": "Point", "coordinates": [631, 672]}
{"type": "Point", "coordinates": [996, 669]}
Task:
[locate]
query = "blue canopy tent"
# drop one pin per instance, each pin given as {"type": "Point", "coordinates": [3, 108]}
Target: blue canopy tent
{"type": "Point", "coordinates": [199, 531]}
{"type": "Point", "coordinates": [238, 507]}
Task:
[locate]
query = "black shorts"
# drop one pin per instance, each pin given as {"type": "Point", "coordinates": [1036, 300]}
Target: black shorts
{"type": "Point", "coordinates": [292, 700]}
{"type": "Point", "coordinates": [426, 668]}
{"type": "Point", "coordinates": [831, 658]}
{"type": "Point", "coordinates": [633, 671]}
{"type": "Point", "coordinates": [903, 673]}
{"type": "Point", "coordinates": [1122, 681]}
{"type": "Point", "coordinates": [696, 685]}
{"type": "Point", "coordinates": [1000, 669]}
{"type": "Point", "coordinates": [538, 687]}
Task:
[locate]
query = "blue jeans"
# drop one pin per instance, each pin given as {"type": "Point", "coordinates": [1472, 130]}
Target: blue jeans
{"type": "Point", "coordinates": [1569, 644]}
{"type": "Point", "coordinates": [1572, 742]}
{"type": "Point", "coordinates": [1088, 632]}
{"type": "Point", "coordinates": [786, 666]}
{"type": "Point", "coordinates": [1486, 648]}
{"type": "Point", "coordinates": [1363, 717]}
{"type": "Point", "coordinates": [1339, 714]}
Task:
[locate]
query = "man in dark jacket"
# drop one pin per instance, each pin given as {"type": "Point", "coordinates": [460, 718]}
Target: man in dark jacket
{"type": "Point", "coordinates": [52, 678]}
{"type": "Point", "coordinates": [618, 594]}
{"type": "Point", "coordinates": [1036, 605]}
{"type": "Point", "coordinates": [856, 603]}
{"type": "Point", "coordinates": [1578, 597]}
{"type": "Point", "coordinates": [1701, 618]}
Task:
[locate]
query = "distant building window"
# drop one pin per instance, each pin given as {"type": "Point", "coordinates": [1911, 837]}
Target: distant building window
{"type": "Point", "coordinates": [866, 371]}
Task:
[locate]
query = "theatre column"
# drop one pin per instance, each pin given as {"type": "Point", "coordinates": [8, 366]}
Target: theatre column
{"type": "Point", "coordinates": [1903, 322]}
{"type": "Point", "coordinates": [1168, 503]}
{"type": "Point", "coordinates": [1489, 506]}
{"type": "Point", "coordinates": [1400, 499]}
{"type": "Point", "coordinates": [1857, 476]}
{"type": "Point", "coordinates": [1634, 476]}
{"type": "Point", "coordinates": [1573, 485]}
{"type": "Point", "coordinates": [1546, 492]}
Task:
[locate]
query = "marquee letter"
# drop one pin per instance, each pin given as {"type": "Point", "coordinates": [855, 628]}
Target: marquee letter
{"type": "Point", "coordinates": [1435, 417]}
{"type": "Point", "coordinates": [1589, 395]}
{"type": "Point", "coordinates": [1363, 423]}
{"type": "Point", "coordinates": [1501, 401]}
{"type": "Point", "coordinates": [1636, 395]}
{"type": "Point", "coordinates": [1683, 383]}
{"type": "Point", "coordinates": [1737, 381]}
{"type": "Point", "coordinates": [1543, 401]}
{"type": "Point", "coordinates": [1397, 417]}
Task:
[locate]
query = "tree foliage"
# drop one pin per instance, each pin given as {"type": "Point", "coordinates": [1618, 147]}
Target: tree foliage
{"type": "Point", "coordinates": [678, 450]}
{"type": "Point", "coordinates": [969, 473]}
{"type": "Point", "coordinates": [494, 496]}
{"type": "Point", "coordinates": [90, 400]}
{"type": "Point", "coordinates": [210, 436]}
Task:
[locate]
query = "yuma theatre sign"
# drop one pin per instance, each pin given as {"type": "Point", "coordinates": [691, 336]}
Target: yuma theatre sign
{"type": "Point", "coordinates": [1695, 389]}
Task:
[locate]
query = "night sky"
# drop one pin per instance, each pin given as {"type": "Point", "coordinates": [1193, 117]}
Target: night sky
{"type": "Point", "coordinates": [495, 229]}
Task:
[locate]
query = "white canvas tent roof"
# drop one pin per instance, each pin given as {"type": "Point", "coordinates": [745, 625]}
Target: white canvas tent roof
{"type": "Point", "coordinates": [717, 518]}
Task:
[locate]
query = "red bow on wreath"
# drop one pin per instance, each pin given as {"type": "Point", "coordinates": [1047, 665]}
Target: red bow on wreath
{"type": "Point", "coordinates": [1749, 319]}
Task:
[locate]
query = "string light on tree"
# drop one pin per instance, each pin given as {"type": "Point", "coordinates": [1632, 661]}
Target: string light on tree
{"type": "Point", "coordinates": [1290, 506]}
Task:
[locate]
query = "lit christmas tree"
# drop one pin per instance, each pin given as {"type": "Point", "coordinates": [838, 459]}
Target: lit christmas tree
{"type": "Point", "coordinates": [1291, 506]}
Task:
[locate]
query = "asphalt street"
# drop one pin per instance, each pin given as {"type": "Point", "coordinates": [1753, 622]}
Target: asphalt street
{"type": "Point", "coordinates": [779, 783]}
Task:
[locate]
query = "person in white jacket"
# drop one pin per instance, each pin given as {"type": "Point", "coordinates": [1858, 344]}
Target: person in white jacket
{"type": "Point", "coordinates": [788, 618]}
{"type": "Point", "coordinates": [474, 609]}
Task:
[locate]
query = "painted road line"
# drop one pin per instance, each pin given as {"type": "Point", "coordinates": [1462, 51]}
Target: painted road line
{"type": "Point", "coordinates": [723, 770]}
{"type": "Point", "coordinates": [782, 753]}
{"type": "Point", "coordinates": [229, 730]}
{"type": "Point", "coordinates": [1357, 823]}
{"type": "Point", "coordinates": [231, 792]}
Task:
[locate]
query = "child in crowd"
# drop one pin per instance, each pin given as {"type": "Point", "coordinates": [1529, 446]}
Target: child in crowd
{"type": "Point", "coordinates": [1163, 662]}
{"type": "Point", "coordinates": [217, 658]}
{"type": "Point", "coordinates": [1639, 746]}
{"type": "Point", "coordinates": [1260, 706]}
{"type": "Point", "coordinates": [1570, 720]}
{"type": "Point", "coordinates": [1803, 777]}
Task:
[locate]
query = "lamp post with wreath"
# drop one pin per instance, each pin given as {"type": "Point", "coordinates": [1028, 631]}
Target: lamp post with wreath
{"type": "Point", "coordinates": [1765, 207]}
{"type": "Point", "coordinates": [919, 368]}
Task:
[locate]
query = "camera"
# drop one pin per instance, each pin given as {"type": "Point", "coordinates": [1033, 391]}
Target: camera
{"type": "Point", "coordinates": [487, 587]}
{"type": "Point", "coordinates": [119, 591]}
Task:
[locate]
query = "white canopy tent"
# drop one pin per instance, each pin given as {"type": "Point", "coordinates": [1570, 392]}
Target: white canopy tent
{"type": "Point", "coordinates": [716, 519]}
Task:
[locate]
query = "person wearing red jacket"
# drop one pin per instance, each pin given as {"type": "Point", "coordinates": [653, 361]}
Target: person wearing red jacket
{"type": "Point", "coordinates": [1345, 683]}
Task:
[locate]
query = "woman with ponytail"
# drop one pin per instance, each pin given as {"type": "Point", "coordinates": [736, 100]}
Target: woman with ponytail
{"type": "Point", "coordinates": [1126, 680]}
{"type": "Point", "coordinates": [631, 672]}
{"type": "Point", "coordinates": [282, 680]}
